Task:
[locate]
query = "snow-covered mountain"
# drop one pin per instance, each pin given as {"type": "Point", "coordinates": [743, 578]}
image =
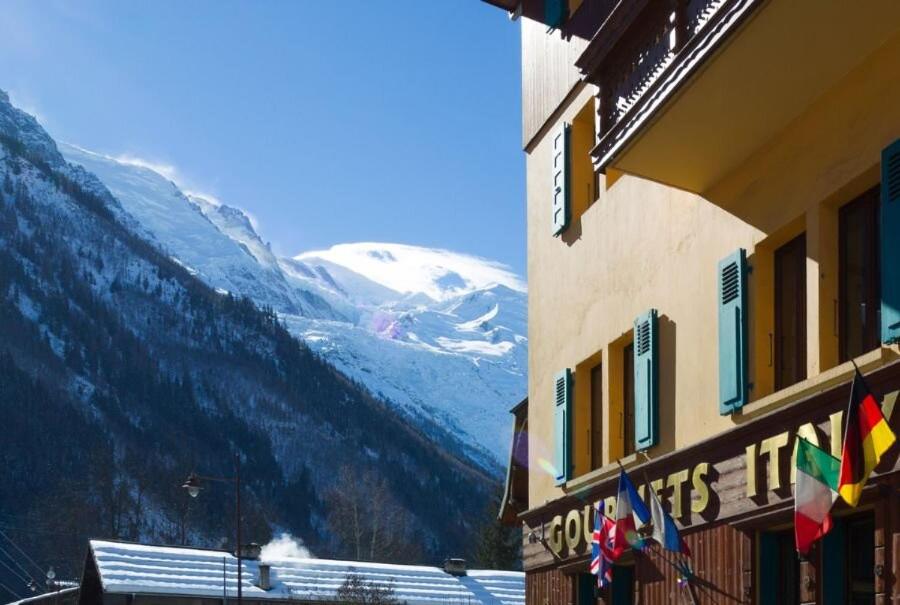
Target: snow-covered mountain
{"type": "Point", "coordinates": [121, 371]}
{"type": "Point", "coordinates": [440, 335]}
{"type": "Point", "coordinates": [214, 242]}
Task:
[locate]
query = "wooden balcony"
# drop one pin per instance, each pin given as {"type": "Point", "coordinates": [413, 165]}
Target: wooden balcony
{"type": "Point", "coordinates": [689, 88]}
{"type": "Point", "coordinates": [642, 51]}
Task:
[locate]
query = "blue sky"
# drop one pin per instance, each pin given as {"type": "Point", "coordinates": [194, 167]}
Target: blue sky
{"type": "Point", "coordinates": [328, 120]}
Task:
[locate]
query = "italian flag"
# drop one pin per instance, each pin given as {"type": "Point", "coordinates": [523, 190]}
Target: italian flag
{"type": "Point", "coordinates": [815, 492]}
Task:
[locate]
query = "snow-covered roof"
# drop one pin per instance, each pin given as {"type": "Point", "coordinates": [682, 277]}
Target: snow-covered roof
{"type": "Point", "coordinates": [141, 569]}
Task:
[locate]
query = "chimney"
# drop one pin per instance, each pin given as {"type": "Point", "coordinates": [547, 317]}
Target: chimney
{"type": "Point", "coordinates": [251, 551]}
{"type": "Point", "coordinates": [264, 581]}
{"type": "Point", "coordinates": [455, 567]}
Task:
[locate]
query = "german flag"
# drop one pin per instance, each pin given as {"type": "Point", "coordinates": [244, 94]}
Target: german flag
{"type": "Point", "coordinates": [866, 437]}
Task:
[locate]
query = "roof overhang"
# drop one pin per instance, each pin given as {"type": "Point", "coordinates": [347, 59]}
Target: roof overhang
{"type": "Point", "coordinates": [507, 5]}
{"type": "Point", "coordinates": [517, 468]}
{"type": "Point", "coordinates": [530, 9]}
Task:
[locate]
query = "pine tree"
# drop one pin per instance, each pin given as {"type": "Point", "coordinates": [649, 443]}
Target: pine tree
{"type": "Point", "coordinates": [498, 546]}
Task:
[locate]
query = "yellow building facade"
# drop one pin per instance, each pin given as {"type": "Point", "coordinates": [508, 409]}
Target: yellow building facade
{"type": "Point", "coordinates": [712, 227]}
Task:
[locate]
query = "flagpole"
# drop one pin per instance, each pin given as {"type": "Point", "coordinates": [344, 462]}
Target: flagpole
{"type": "Point", "coordinates": [652, 495]}
{"type": "Point", "coordinates": [662, 555]}
{"type": "Point", "coordinates": [849, 406]}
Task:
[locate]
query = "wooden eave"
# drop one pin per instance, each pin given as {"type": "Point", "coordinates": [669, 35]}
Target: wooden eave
{"type": "Point", "coordinates": [509, 507]}
{"type": "Point", "coordinates": [507, 5]}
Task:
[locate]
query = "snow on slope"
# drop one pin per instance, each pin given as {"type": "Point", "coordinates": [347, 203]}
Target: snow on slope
{"type": "Point", "coordinates": [201, 235]}
{"type": "Point", "coordinates": [439, 274]}
{"type": "Point", "coordinates": [462, 362]}
{"type": "Point", "coordinates": [439, 334]}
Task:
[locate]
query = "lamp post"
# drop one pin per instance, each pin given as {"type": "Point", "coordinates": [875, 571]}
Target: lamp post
{"type": "Point", "coordinates": [194, 484]}
{"type": "Point", "coordinates": [51, 576]}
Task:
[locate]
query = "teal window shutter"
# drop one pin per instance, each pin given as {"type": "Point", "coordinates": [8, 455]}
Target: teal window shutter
{"type": "Point", "coordinates": [560, 172]}
{"type": "Point", "coordinates": [562, 416]}
{"type": "Point", "coordinates": [555, 12]}
{"type": "Point", "coordinates": [646, 386]}
{"type": "Point", "coordinates": [732, 294]}
{"type": "Point", "coordinates": [890, 258]}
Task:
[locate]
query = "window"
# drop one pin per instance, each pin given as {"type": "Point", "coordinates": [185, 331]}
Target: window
{"type": "Point", "coordinates": [574, 182]}
{"type": "Point", "coordinates": [596, 416]}
{"type": "Point", "coordinates": [848, 561]}
{"type": "Point", "coordinates": [587, 416]}
{"type": "Point", "coordinates": [584, 180]}
{"type": "Point", "coordinates": [790, 313]}
{"type": "Point", "coordinates": [861, 560]}
{"type": "Point", "coordinates": [628, 399]}
{"type": "Point", "coordinates": [622, 588]}
{"type": "Point", "coordinates": [859, 279]}
{"type": "Point", "coordinates": [779, 568]}
{"type": "Point", "coordinates": [788, 571]}
{"type": "Point", "coordinates": [586, 593]}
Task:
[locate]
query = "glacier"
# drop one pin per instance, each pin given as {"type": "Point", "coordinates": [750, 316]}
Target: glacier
{"type": "Point", "coordinates": [440, 335]}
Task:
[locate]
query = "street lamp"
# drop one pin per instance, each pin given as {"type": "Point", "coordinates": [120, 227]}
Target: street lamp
{"type": "Point", "coordinates": [194, 484]}
{"type": "Point", "coordinates": [51, 576]}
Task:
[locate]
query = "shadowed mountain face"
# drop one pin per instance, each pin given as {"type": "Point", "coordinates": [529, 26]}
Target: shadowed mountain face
{"type": "Point", "coordinates": [440, 336]}
{"type": "Point", "coordinates": [124, 367]}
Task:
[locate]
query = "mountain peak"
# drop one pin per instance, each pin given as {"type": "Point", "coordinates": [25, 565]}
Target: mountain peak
{"type": "Point", "coordinates": [407, 269]}
{"type": "Point", "coordinates": [24, 128]}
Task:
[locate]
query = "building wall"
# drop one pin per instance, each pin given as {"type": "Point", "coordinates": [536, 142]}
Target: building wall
{"type": "Point", "coordinates": [549, 586]}
{"type": "Point", "coordinates": [644, 245]}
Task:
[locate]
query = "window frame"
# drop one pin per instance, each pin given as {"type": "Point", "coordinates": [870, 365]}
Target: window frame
{"type": "Point", "coordinates": [628, 411]}
{"type": "Point", "coordinates": [596, 406]}
{"type": "Point", "coordinates": [796, 245]}
{"type": "Point", "coordinates": [871, 330]}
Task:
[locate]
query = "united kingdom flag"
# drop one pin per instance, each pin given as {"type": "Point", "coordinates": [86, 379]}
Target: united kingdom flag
{"type": "Point", "coordinates": [603, 547]}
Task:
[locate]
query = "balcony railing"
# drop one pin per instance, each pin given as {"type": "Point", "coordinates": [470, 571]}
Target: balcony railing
{"type": "Point", "coordinates": [643, 51]}
{"type": "Point", "coordinates": [636, 63]}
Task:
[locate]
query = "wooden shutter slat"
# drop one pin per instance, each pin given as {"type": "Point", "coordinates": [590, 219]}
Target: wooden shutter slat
{"type": "Point", "coordinates": [733, 354]}
{"type": "Point", "coordinates": [560, 179]}
{"type": "Point", "coordinates": [646, 389]}
{"type": "Point", "coordinates": [562, 416]}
